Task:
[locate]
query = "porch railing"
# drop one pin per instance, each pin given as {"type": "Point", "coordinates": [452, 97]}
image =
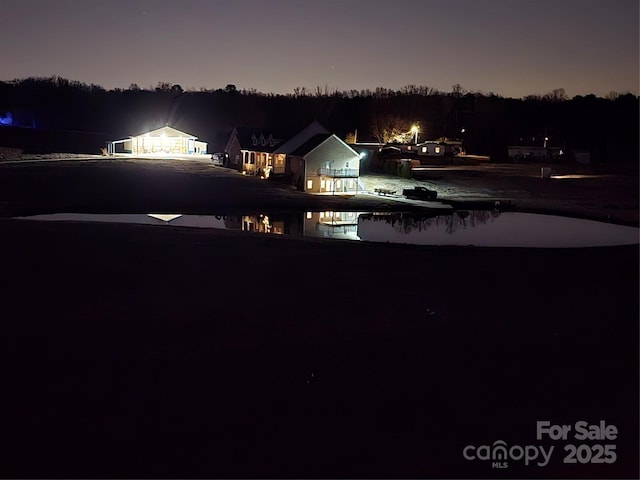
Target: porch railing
{"type": "Point", "coordinates": [339, 172]}
{"type": "Point", "coordinates": [332, 229]}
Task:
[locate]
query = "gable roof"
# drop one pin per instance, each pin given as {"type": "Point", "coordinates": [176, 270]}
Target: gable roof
{"type": "Point", "coordinates": [332, 146]}
{"type": "Point", "coordinates": [301, 138]}
{"type": "Point", "coordinates": [167, 131]}
{"type": "Point", "coordinates": [310, 144]}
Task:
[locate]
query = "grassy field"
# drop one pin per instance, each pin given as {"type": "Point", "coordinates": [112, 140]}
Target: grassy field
{"type": "Point", "coordinates": [141, 351]}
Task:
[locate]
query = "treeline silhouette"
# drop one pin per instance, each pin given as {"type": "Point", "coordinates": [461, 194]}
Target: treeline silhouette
{"type": "Point", "coordinates": [487, 123]}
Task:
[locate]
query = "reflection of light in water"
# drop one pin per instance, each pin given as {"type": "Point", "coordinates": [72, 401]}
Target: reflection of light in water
{"type": "Point", "coordinates": [330, 224]}
{"type": "Point", "coordinates": [175, 220]}
{"type": "Point", "coordinates": [164, 217]}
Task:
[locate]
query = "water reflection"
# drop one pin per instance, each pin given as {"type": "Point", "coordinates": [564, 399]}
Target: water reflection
{"type": "Point", "coordinates": [412, 222]}
{"type": "Point", "coordinates": [262, 224]}
{"type": "Point", "coordinates": [494, 229]}
{"type": "Point", "coordinates": [482, 228]}
{"type": "Point", "coordinates": [329, 224]}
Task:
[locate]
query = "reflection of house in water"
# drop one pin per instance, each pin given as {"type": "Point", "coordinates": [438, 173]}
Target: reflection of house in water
{"type": "Point", "coordinates": [262, 224]}
{"type": "Point", "coordinates": [279, 224]}
{"type": "Point", "coordinates": [331, 224]}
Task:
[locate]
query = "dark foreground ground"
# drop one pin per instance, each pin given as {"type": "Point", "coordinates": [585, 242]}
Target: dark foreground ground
{"type": "Point", "coordinates": [141, 351]}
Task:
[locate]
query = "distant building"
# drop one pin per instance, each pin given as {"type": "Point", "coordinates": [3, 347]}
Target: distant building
{"type": "Point", "coordinates": [534, 153]}
{"type": "Point", "coordinates": [446, 148]}
{"type": "Point", "coordinates": [430, 148]}
{"type": "Point", "coordinates": [162, 141]}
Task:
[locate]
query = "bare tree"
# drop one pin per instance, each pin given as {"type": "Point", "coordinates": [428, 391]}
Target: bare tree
{"type": "Point", "coordinates": [389, 128]}
{"type": "Point", "coordinates": [556, 95]}
{"type": "Point", "coordinates": [350, 138]}
{"type": "Point", "coordinates": [458, 91]}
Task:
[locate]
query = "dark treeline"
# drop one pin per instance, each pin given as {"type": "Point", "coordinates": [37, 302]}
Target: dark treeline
{"type": "Point", "coordinates": [487, 123]}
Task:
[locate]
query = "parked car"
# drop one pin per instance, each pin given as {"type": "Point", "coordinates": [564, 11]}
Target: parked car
{"type": "Point", "coordinates": [420, 193]}
{"type": "Point", "coordinates": [219, 158]}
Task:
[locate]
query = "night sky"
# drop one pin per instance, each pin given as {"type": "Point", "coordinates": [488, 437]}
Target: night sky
{"type": "Point", "coordinates": [510, 47]}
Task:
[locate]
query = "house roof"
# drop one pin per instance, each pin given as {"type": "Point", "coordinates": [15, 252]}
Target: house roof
{"type": "Point", "coordinates": [246, 138]}
{"type": "Point", "coordinates": [301, 138]}
{"type": "Point", "coordinates": [167, 131]}
{"type": "Point", "coordinates": [310, 144]}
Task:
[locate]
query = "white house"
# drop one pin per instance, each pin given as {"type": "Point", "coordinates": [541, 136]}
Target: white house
{"type": "Point", "coordinates": [325, 164]}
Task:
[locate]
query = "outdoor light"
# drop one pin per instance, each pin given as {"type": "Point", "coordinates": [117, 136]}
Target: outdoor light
{"type": "Point", "coordinates": [415, 130]}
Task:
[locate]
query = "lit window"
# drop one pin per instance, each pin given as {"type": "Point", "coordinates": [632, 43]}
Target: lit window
{"type": "Point", "coordinates": [338, 183]}
{"type": "Point", "coordinates": [424, 149]}
{"type": "Point", "coordinates": [309, 214]}
{"type": "Point", "coordinates": [437, 149]}
{"type": "Point", "coordinates": [309, 184]}
{"type": "Point", "coordinates": [352, 184]}
{"type": "Point", "coordinates": [322, 184]}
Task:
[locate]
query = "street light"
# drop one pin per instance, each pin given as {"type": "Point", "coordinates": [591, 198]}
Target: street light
{"type": "Point", "coordinates": [415, 130]}
{"type": "Point", "coordinates": [546, 139]}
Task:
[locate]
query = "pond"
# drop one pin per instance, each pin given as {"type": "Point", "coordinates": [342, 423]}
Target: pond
{"type": "Point", "coordinates": [479, 228]}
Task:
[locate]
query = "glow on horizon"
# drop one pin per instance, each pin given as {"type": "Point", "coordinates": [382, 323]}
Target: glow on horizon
{"type": "Point", "coordinates": [513, 48]}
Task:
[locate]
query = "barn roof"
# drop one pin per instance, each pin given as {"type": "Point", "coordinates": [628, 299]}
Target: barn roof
{"type": "Point", "coordinates": [167, 131]}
